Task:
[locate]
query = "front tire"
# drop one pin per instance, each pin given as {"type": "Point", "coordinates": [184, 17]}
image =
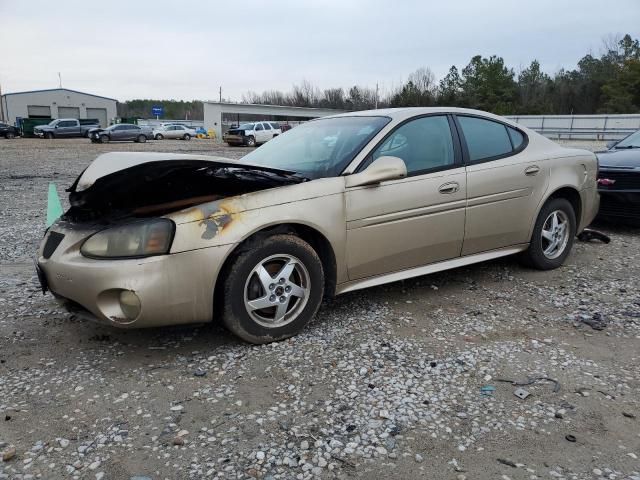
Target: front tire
{"type": "Point", "coordinates": [553, 235]}
{"type": "Point", "coordinates": [49, 136]}
{"type": "Point", "coordinates": [272, 289]}
{"type": "Point", "coordinates": [104, 139]}
{"type": "Point", "coordinates": [251, 141]}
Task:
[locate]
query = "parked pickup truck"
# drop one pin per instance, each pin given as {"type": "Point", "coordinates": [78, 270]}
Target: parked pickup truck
{"type": "Point", "coordinates": [66, 128]}
{"type": "Point", "coordinates": [252, 134]}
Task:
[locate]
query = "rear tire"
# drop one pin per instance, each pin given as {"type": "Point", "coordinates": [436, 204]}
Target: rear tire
{"type": "Point", "coordinates": [186, 137]}
{"type": "Point", "coordinates": [553, 235]}
{"type": "Point", "coordinates": [141, 139]}
{"type": "Point", "coordinates": [291, 288]}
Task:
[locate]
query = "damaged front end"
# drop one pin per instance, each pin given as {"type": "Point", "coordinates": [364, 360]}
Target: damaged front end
{"type": "Point", "coordinates": [108, 257]}
{"type": "Point", "coordinates": [157, 187]}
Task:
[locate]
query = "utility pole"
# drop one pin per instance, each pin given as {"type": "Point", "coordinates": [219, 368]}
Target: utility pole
{"type": "Point", "coordinates": [59, 80]}
{"type": "Point", "coordinates": [1, 108]}
{"type": "Point", "coordinates": [376, 95]}
{"type": "Point", "coordinates": [220, 94]}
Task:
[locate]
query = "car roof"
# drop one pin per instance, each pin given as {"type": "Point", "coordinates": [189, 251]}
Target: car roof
{"type": "Point", "coordinates": [408, 112]}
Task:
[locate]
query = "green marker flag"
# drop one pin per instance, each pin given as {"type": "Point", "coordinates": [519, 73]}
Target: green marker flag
{"type": "Point", "coordinates": [54, 207]}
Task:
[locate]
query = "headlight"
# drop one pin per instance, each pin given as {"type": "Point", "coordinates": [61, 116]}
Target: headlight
{"type": "Point", "coordinates": [140, 239]}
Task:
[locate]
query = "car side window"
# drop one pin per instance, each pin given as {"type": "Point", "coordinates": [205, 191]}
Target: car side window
{"type": "Point", "coordinates": [424, 144]}
{"type": "Point", "coordinates": [266, 126]}
{"type": "Point", "coordinates": [485, 138]}
{"type": "Point", "coordinates": [259, 127]}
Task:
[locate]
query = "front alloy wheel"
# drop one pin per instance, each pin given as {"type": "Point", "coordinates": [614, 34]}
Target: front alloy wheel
{"type": "Point", "coordinates": [276, 290]}
{"type": "Point", "coordinates": [272, 289]}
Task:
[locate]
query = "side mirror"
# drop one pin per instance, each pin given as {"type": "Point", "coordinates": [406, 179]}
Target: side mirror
{"type": "Point", "coordinates": [611, 144]}
{"type": "Point", "coordinates": [383, 168]}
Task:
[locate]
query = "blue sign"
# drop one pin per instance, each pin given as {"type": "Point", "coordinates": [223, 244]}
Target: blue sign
{"type": "Point", "coordinates": [157, 111]}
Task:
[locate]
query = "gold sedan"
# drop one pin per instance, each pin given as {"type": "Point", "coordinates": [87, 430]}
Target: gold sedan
{"type": "Point", "coordinates": [337, 204]}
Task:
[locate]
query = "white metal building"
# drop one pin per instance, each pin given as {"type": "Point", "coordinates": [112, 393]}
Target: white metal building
{"type": "Point", "coordinates": [57, 103]}
{"type": "Point", "coordinates": [214, 112]}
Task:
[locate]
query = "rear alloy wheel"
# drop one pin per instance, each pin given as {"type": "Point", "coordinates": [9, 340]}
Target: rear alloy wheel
{"type": "Point", "coordinates": [273, 289]}
{"type": "Point", "coordinates": [142, 139]}
{"type": "Point", "coordinates": [159, 137]}
{"type": "Point", "coordinates": [10, 135]}
{"type": "Point", "coordinates": [186, 137]}
{"type": "Point", "coordinates": [553, 235]}
{"type": "Point", "coordinates": [104, 139]}
{"type": "Point", "coordinates": [251, 141]}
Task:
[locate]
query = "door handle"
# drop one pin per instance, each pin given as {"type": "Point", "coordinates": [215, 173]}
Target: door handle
{"type": "Point", "coordinates": [532, 170]}
{"type": "Point", "coordinates": [447, 188]}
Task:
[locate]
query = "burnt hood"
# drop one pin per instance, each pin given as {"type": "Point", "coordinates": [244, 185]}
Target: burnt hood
{"type": "Point", "coordinates": [124, 184]}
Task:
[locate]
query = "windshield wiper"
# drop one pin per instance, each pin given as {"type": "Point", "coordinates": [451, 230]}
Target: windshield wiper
{"type": "Point", "coordinates": [626, 147]}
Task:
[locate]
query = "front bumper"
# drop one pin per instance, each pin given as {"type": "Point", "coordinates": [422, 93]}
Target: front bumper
{"type": "Point", "coordinates": [236, 139]}
{"type": "Point", "coordinates": [173, 289]}
{"type": "Point", "coordinates": [621, 205]}
{"type": "Point", "coordinates": [38, 133]}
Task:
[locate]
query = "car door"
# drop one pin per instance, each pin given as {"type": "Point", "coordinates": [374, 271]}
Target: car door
{"type": "Point", "coordinates": [120, 133]}
{"type": "Point", "coordinates": [412, 221]}
{"type": "Point", "coordinates": [66, 128]}
{"type": "Point", "coordinates": [259, 133]}
{"type": "Point", "coordinates": [133, 132]}
{"type": "Point", "coordinates": [268, 132]}
{"type": "Point", "coordinates": [505, 184]}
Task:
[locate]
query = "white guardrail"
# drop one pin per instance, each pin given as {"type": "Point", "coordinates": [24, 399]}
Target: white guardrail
{"type": "Point", "coordinates": [580, 127]}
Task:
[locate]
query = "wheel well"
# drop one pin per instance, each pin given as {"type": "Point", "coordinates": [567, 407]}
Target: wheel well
{"type": "Point", "coordinates": [572, 195]}
{"type": "Point", "coordinates": [313, 237]}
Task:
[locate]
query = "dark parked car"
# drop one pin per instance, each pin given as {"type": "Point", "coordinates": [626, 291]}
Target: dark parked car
{"type": "Point", "coordinates": [619, 181]}
{"type": "Point", "coordinates": [121, 132]}
{"type": "Point", "coordinates": [8, 131]}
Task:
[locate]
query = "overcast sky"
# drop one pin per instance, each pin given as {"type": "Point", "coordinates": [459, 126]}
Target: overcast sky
{"type": "Point", "coordinates": [161, 49]}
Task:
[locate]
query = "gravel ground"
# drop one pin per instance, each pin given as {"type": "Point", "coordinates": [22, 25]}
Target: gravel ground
{"type": "Point", "coordinates": [409, 380]}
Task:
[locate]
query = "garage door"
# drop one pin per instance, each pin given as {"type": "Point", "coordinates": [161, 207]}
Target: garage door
{"type": "Point", "coordinates": [37, 111]}
{"type": "Point", "coordinates": [69, 112]}
{"type": "Point", "coordinates": [99, 113]}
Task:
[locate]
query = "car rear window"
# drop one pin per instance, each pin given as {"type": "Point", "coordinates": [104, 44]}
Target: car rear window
{"type": "Point", "coordinates": [485, 138]}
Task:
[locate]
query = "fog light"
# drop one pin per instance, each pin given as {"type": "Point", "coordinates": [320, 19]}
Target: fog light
{"type": "Point", "coordinates": [130, 304]}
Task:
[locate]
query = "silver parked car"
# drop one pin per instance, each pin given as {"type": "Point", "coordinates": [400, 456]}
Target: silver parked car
{"type": "Point", "coordinates": [174, 132]}
{"type": "Point", "coordinates": [122, 132]}
{"type": "Point", "coordinates": [337, 204]}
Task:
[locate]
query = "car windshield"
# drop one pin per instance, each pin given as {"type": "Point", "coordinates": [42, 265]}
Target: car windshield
{"type": "Point", "coordinates": [632, 141]}
{"type": "Point", "coordinates": [320, 148]}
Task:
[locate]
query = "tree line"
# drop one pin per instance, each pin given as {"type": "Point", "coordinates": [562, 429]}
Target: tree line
{"type": "Point", "coordinates": [173, 109]}
{"type": "Point", "coordinates": [609, 83]}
